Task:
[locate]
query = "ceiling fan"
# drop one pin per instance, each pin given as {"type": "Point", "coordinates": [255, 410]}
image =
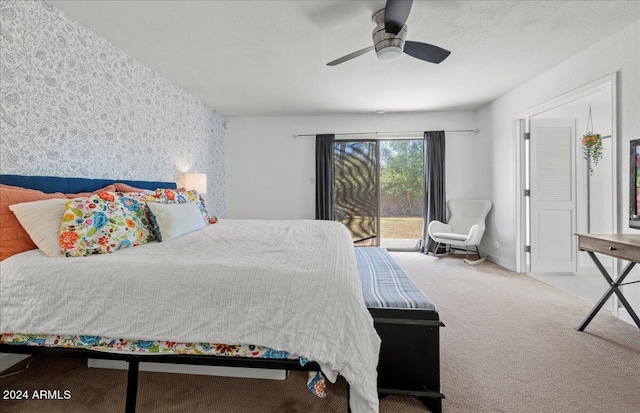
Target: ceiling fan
{"type": "Point", "coordinates": [389, 37]}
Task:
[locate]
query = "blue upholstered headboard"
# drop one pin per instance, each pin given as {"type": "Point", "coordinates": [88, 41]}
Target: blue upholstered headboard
{"type": "Point", "coordinates": [50, 184]}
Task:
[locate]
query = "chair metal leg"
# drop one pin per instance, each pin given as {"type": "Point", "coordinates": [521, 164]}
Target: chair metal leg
{"type": "Point", "coordinates": [480, 259]}
{"type": "Point", "coordinates": [436, 253]}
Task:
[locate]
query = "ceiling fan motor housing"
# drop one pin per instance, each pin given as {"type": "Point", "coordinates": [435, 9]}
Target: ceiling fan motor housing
{"type": "Point", "coordinates": [388, 46]}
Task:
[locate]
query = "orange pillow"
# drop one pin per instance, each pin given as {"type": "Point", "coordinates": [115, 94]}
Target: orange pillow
{"type": "Point", "coordinates": [120, 187]}
{"type": "Point", "coordinates": [109, 188]}
{"type": "Point", "coordinates": [13, 238]}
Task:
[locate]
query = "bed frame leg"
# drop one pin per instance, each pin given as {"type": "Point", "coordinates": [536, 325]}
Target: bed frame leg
{"type": "Point", "coordinates": [132, 385]}
{"type": "Point", "coordinates": [348, 398]}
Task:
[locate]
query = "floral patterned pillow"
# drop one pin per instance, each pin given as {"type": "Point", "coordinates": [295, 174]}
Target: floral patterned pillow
{"type": "Point", "coordinates": [105, 222]}
{"type": "Point", "coordinates": [169, 196]}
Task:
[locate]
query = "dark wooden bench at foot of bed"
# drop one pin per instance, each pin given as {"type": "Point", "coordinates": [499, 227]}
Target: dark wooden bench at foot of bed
{"type": "Point", "coordinates": [409, 326]}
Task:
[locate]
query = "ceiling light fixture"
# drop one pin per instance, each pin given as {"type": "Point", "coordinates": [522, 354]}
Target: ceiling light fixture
{"type": "Point", "coordinates": [389, 53]}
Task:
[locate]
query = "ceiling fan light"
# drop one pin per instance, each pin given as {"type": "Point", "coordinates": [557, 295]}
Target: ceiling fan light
{"type": "Point", "coordinates": [389, 53]}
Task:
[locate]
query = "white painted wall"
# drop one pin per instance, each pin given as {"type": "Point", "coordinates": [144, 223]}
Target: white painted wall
{"type": "Point", "coordinates": [618, 53]}
{"type": "Point", "coordinates": [271, 175]}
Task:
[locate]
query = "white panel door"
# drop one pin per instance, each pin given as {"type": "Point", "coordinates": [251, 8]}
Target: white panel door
{"type": "Point", "coordinates": [553, 195]}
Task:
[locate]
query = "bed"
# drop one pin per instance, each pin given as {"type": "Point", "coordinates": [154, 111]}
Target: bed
{"type": "Point", "coordinates": [290, 286]}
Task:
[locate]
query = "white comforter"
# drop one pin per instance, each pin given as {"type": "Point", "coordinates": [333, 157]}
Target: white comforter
{"type": "Point", "coordinates": [288, 285]}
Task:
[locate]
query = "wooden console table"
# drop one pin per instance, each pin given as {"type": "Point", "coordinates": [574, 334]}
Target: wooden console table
{"type": "Point", "coordinates": [622, 246]}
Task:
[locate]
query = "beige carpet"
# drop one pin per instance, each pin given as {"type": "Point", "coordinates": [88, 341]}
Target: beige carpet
{"type": "Point", "coordinates": [509, 345]}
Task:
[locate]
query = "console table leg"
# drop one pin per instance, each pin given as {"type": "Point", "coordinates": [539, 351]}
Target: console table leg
{"type": "Point", "coordinates": [595, 310]}
{"type": "Point", "coordinates": [626, 305]}
{"type": "Point", "coordinates": [613, 288]}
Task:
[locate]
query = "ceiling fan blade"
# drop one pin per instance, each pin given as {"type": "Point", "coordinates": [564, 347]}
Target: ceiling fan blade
{"type": "Point", "coordinates": [426, 52]}
{"type": "Point", "coordinates": [350, 56]}
{"type": "Point", "coordinates": [395, 15]}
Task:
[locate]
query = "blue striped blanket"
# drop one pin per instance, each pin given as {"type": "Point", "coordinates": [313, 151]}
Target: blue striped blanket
{"type": "Point", "coordinates": [384, 283]}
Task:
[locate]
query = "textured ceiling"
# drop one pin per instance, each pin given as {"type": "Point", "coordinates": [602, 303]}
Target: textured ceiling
{"type": "Point", "coordinates": [252, 58]}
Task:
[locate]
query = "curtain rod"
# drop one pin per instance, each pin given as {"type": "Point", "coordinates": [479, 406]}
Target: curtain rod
{"type": "Point", "coordinates": [387, 133]}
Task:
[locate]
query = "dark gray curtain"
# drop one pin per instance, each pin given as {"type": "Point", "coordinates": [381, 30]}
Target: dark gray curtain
{"type": "Point", "coordinates": [324, 177]}
{"type": "Point", "coordinates": [435, 200]}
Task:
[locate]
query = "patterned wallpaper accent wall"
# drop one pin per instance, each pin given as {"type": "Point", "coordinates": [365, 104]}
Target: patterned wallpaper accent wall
{"type": "Point", "coordinates": [74, 105]}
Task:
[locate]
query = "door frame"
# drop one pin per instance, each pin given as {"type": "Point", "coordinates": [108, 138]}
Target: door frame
{"type": "Point", "coordinates": [521, 126]}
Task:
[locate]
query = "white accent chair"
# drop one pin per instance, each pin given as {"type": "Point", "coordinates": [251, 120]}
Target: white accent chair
{"type": "Point", "coordinates": [465, 228]}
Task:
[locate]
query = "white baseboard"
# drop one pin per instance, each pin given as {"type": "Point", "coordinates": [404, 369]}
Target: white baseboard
{"type": "Point", "coordinates": [9, 360]}
{"type": "Point", "coordinates": [244, 372]}
{"type": "Point", "coordinates": [624, 315]}
{"type": "Point", "coordinates": [501, 262]}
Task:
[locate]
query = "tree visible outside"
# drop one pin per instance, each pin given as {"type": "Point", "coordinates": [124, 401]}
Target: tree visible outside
{"type": "Point", "coordinates": [401, 191]}
{"type": "Point", "coordinates": [401, 178]}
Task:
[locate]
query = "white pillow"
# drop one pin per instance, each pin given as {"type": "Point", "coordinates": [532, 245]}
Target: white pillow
{"type": "Point", "coordinates": [41, 220]}
{"type": "Point", "coordinates": [175, 220]}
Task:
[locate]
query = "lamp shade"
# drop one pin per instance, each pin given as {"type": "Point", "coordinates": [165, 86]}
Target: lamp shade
{"type": "Point", "coordinates": [196, 181]}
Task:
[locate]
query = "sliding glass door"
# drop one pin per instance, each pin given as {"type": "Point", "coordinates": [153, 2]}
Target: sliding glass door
{"type": "Point", "coordinates": [356, 189]}
{"type": "Point", "coordinates": [378, 191]}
